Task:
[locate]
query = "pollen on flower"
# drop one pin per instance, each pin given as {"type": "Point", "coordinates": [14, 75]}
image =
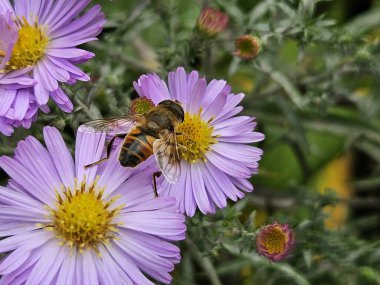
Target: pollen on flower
{"type": "Point", "coordinates": [83, 218]}
{"type": "Point", "coordinates": [30, 46]}
{"type": "Point", "coordinates": [195, 137]}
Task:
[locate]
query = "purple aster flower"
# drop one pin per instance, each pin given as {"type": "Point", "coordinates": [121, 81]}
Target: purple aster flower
{"type": "Point", "coordinates": [275, 241]}
{"type": "Point", "coordinates": [17, 108]}
{"type": "Point", "coordinates": [44, 47]}
{"type": "Point", "coordinates": [216, 161]}
{"type": "Point", "coordinates": [63, 224]}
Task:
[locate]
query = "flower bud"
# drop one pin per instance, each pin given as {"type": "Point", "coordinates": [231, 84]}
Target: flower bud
{"type": "Point", "coordinates": [275, 241]}
{"type": "Point", "coordinates": [212, 22]}
{"type": "Point", "coordinates": [140, 106]}
{"type": "Point", "coordinates": [247, 47]}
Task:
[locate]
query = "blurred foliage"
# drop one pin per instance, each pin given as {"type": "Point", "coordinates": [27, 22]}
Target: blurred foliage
{"type": "Point", "coordinates": [314, 90]}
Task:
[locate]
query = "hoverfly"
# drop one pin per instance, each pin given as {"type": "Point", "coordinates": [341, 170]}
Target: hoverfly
{"type": "Point", "coordinates": [152, 133]}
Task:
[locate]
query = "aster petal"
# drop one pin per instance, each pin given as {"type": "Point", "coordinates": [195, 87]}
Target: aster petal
{"type": "Point", "coordinates": [195, 98]}
{"type": "Point", "coordinates": [160, 222]}
{"type": "Point", "coordinates": [7, 97]}
{"type": "Point", "coordinates": [46, 77]}
{"type": "Point", "coordinates": [45, 270]}
{"type": "Point", "coordinates": [37, 160]}
{"type": "Point", "coordinates": [55, 71]}
{"type": "Point", "coordinates": [137, 189]}
{"type": "Point", "coordinates": [19, 257]}
{"type": "Point", "coordinates": [243, 138]}
{"type": "Point", "coordinates": [40, 91]}
{"type": "Point", "coordinates": [213, 188]}
{"type": "Point", "coordinates": [158, 246]}
{"type": "Point", "coordinates": [21, 104]}
{"type": "Point", "coordinates": [146, 259]}
{"type": "Point", "coordinates": [16, 228]}
{"type": "Point", "coordinates": [60, 156]}
{"type": "Point", "coordinates": [66, 273]}
{"type": "Point", "coordinates": [13, 198]}
{"type": "Point", "coordinates": [109, 274]}
{"type": "Point", "coordinates": [87, 25]}
{"type": "Point", "coordinates": [200, 193]}
{"type": "Point", "coordinates": [217, 105]}
{"type": "Point", "coordinates": [113, 174]}
{"type": "Point", "coordinates": [128, 266]}
{"type": "Point", "coordinates": [228, 188]}
{"type": "Point", "coordinates": [22, 214]}
{"type": "Point", "coordinates": [16, 259]}
{"type": "Point", "coordinates": [71, 68]}
{"type": "Point", "coordinates": [28, 240]}
{"type": "Point", "coordinates": [224, 164]}
{"type": "Point", "coordinates": [153, 87]}
{"type": "Point", "coordinates": [5, 6]}
{"type": "Point", "coordinates": [238, 152]}
{"type": "Point", "coordinates": [188, 197]}
{"type": "Point", "coordinates": [90, 277]}
{"type": "Point", "coordinates": [177, 81]}
{"type": "Point", "coordinates": [68, 53]}
{"type": "Point", "coordinates": [26, 180]}
{"type": "Point", "coordinates": [62, 100]}
{"type": "Point", "coordinates": [230, 108]}
{"type": "Point", "coordinates": [88, 149]}
{"type": "Point", "coordinates": [5, 127]}
{"type": "Point", "coordinates": [64, 11]}
{"type": "Point", "coordinates": [214, 88]}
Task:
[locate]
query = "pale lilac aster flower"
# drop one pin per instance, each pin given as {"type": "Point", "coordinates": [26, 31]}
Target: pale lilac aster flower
{"type": "Point", "coordinates": [275, 241]}
{"type": "Point", "coordinates": [16, 108]}
{"type": "Point", "coordinates": [63, 224]}
{"type": "Point", "coordinates": [47, 35]}
{"type": "Point", "coordinates": [217, 161]}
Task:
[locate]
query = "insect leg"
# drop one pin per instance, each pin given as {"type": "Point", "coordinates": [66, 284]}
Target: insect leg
{"type": "Point", "coordinates": [109, 148]}
{"type": "Point", "coordinates": [155, 174]}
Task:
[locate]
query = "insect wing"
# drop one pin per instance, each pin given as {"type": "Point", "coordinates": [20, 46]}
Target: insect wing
{"type": "Point", "coordinates": [166, 153]}
{"type": "Point", "coordinates": [119, 125]}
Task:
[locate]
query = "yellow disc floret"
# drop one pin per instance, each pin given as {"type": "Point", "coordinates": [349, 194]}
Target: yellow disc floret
{"type": "Point", "coordinates": [195, 137]}
{"type": "Point", "coordinates": [275, 240]}
{"type": "Point", "coordinates": [30, 46]}
{"type": "Point", "coordinates": [83, 219]}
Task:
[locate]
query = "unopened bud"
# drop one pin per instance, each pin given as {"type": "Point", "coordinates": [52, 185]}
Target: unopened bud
{"type": "Point", "coordinates": [140, 106]}
{"type": "Point", "coordinates": [247, 47]}
{"type": "Point", "coordinates": [212, 22]}
{"type": "Point", "coordinates": [275, 241]}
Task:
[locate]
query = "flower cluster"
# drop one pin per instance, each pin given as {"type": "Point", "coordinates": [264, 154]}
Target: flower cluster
{"type": "Point", "coordinates": [38, 51]}
{"type": "Point", "coordinates": [63, 222]}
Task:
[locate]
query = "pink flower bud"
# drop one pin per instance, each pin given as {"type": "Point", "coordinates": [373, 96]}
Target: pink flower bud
{"type": "Point", "coordinates": [212, 21]}
{"type": "Point", "coordinates": [275, 241]}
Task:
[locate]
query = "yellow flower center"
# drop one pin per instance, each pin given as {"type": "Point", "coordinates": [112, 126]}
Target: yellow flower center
{"type": "Point", "coordinates": [195, 137]}
{"type": "Point", "coordinates": [30, 46]}
{"type": "Point", "coordinates": [83, 219]}
{"type": "Point", "coordinates": [275, 240]}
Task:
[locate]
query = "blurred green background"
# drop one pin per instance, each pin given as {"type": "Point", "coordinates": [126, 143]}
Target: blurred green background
{"type": "Point", "coordinates": [314, 90]}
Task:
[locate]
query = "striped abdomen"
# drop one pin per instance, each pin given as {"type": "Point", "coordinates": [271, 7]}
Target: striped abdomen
{"type": "Point", "coordinates": [136, 148]}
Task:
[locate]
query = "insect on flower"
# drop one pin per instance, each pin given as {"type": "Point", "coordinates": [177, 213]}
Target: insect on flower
{"type": "Point", "coordinates": [152, 133]}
